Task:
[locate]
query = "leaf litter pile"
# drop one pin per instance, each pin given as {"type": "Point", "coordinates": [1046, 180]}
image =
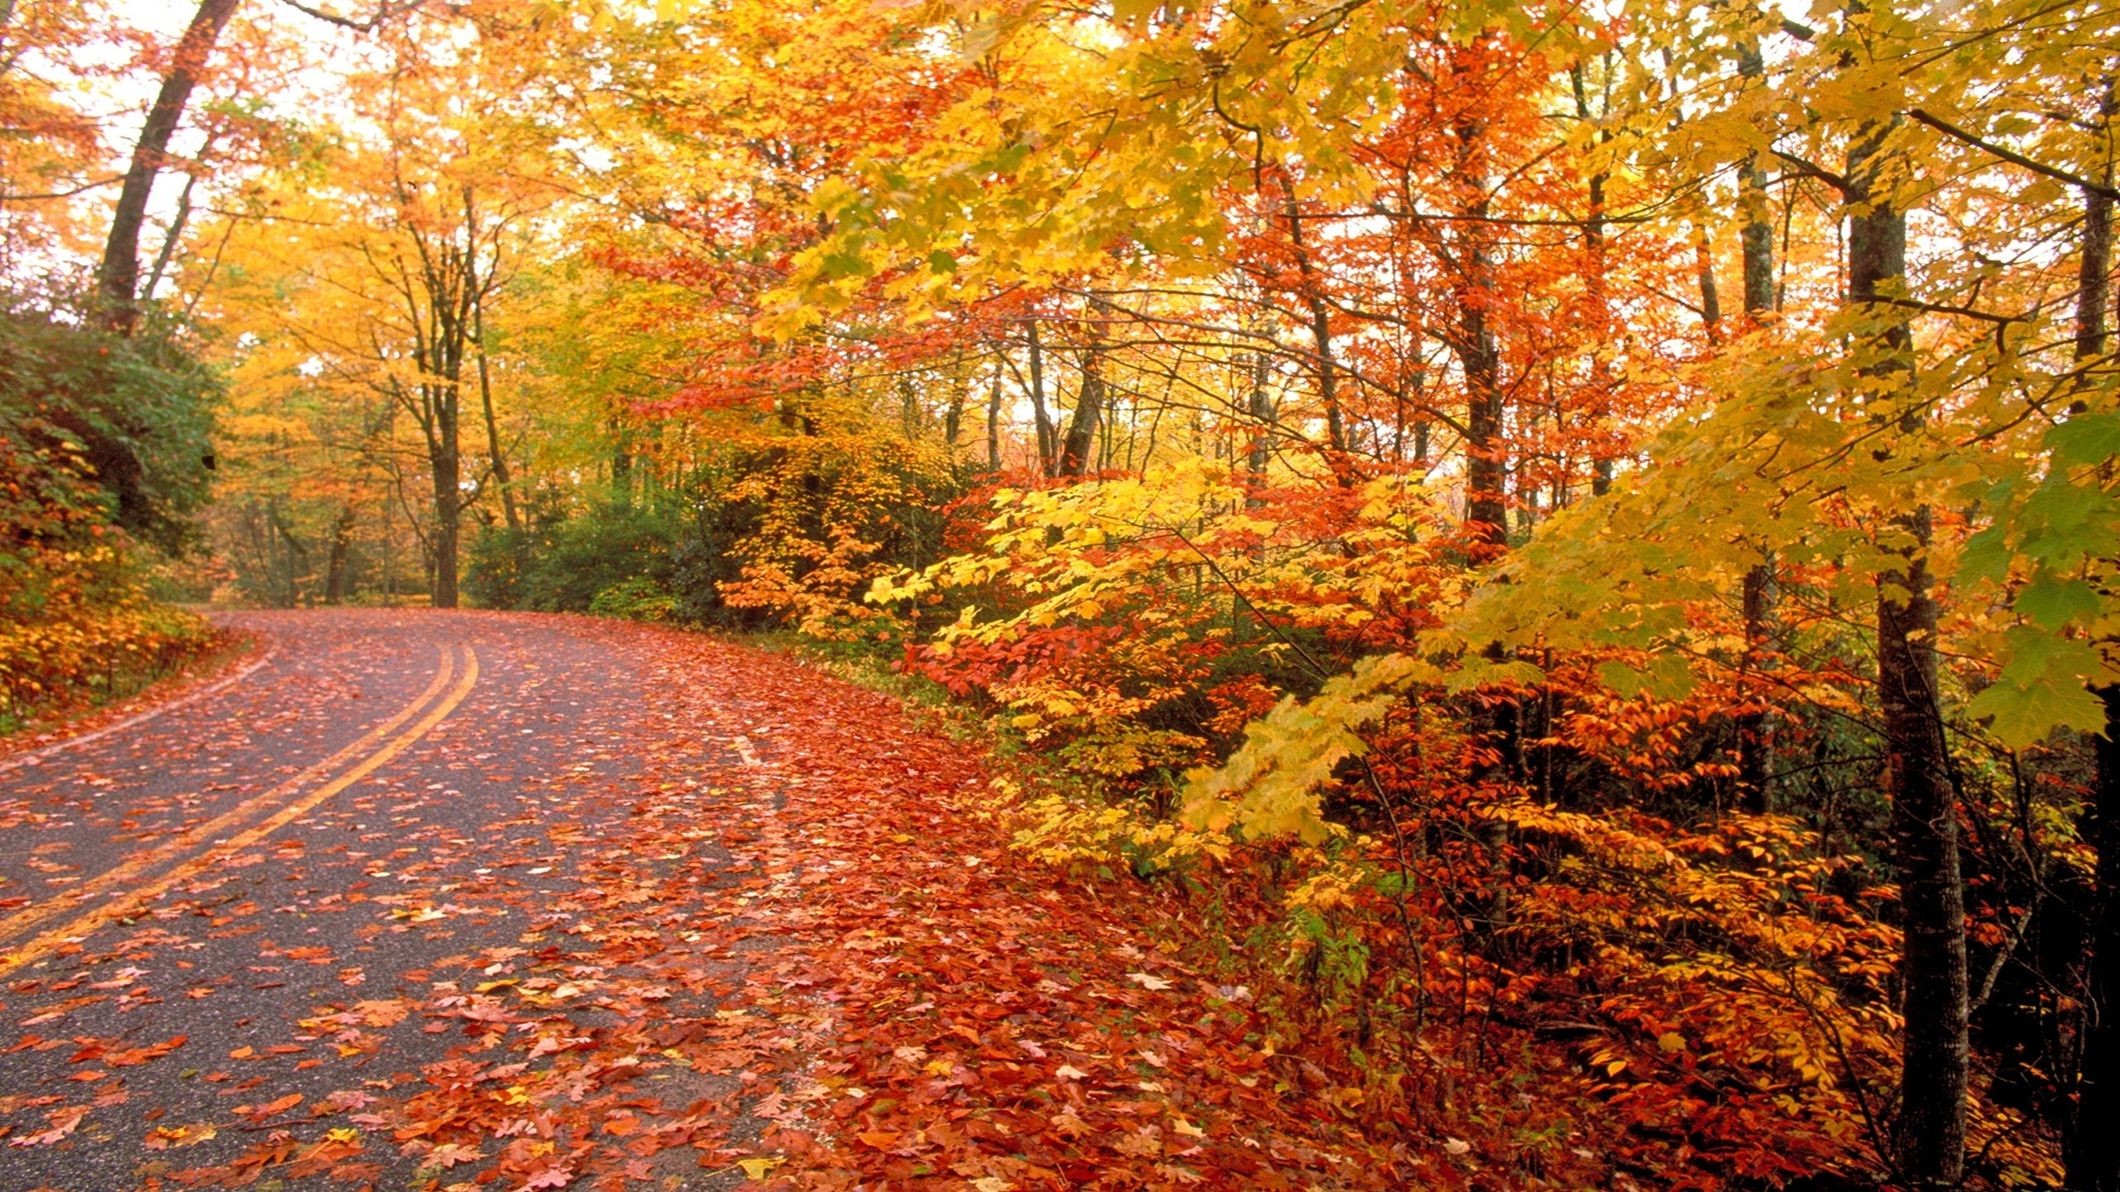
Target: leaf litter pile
{"type": "Point", "coordinates": [761, 927]}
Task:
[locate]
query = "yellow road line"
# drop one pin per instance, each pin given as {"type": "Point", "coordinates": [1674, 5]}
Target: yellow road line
{"type": "Point", "coordinates": [133, 903]}
{"type": "Point", "coordinates": [187, 842]}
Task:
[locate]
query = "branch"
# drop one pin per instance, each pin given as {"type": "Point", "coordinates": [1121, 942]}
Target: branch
{"type": "Point", "coordinates": [84, 188]}
{"type": "Point", "coordinates": [1944, 308]}
{"type": "Point", "coordinates": [2012, 157]}
{"type": "Point", "coordinates": [370, 25]}
{"type": "Point", "coordinates": [1811, 170]}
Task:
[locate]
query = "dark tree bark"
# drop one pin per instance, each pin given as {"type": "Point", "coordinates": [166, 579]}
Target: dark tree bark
{"type": "Point", "coordinates": [1710, 292]}
{"type": "Point", "coordinates": [1320, 339]}
{"type": "Point", "coordinates": [1262, 417]}
{"type": "Point", "coordinates": [442, 289]}
{"type": "Point", "coordinates": [1048, 447]}
{"type": "Point", "coordinates": [118, 277]}
{"type": "Point", "coordinates": [511, 509]}
{"type": "Point", "coordinates": [1596, 284]}
{"type": "Point", "coordinates": [1757, 234]}
{"type": "Point", "coordinates": [1486, 454]}
{"type": "Point", "coordinates": [1934, 1071]}
{"type": "Point", "coordinates": [1089, 411]}
{"type": "Point", "coordinates": [2091, 1147]}
{"type": "Point", "coordinates": [338, 572]}
{"type": "Point", "coordinates": [1755, 729]}
{"type": "Point", "coordinates": [993, 425]}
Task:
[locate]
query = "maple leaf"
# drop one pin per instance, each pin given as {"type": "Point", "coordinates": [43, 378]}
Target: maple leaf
{"type": "Point", "coordinates": [449, 1154]}
{"type": "Point", "coordinates": [164, 1137]}
{"type": "Point", "coordinates": [556, 1176]}
{"type": "Point", "coordinates": [1148, 981]}
{"type": "Point", "coordinates": [758, 1168]}
{"type": "Point", "coordinates": [63, 1123]}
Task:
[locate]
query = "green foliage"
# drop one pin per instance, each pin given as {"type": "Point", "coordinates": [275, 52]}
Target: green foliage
{"type": "Point", "coordinates": [600, 548]}
{"type": "Point", "coordinates": [101, 444]}
{"type": "Point", "coordinates": [135, 413]}
{"type": "Point", "coordinates": [636, 599]}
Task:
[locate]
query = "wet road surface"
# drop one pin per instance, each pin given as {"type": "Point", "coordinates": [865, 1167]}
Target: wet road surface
{"type": "Point", "coordinates": [413, 882]}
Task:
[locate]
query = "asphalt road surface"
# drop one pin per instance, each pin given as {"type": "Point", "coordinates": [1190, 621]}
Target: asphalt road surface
{"type": "Point", "coordinates": [399, 906]}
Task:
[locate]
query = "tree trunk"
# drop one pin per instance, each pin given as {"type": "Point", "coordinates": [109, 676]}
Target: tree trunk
{"type": "Point", "coordinates": [118, 277]}
{"type": "Point", "coordinates": [1755, 729]}
{"type": "Point", "coordinates": [2091, 1147]}
{"type": "Point", "coordinates": [1710, 293]}
{"type": "Point", "coordinates": [1262, 417]}
{"type": "Point", "coordinates": [336, 570]}
{"type": "Point", "coordinates": [1320, 338]}
{"type": "Point", "coordinates": [1048, 455]}
{"type": "Point", "coordinates": [511, 512]}
{"type": "Point", "coordinates": [446, 461]}
{"type": "Point", "coordinates": [1486, 455]}
{"type": "Point", "coordinates": [1933, 1076]}
{"type": "Point", "coordinates": [1089, 410]}
{"type": "Point", "coordinates": [1596, 286]}
{"type": "Point", "coordinates": [1757, 235]}
{"type": "Point", "coordinates": [993, 424]}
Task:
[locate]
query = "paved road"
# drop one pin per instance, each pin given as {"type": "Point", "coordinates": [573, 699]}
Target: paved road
{"type": "Point", "coordinates": [399, 905]}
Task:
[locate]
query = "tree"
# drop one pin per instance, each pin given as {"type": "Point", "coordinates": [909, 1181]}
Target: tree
{"type": "Point", "coordinates": [118, 276]}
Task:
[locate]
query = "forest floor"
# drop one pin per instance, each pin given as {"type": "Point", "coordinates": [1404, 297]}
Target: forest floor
{"type": "Point", "coordinates": [465, 900]}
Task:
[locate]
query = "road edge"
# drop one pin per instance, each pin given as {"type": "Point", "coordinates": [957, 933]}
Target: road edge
{"type": "Point", "coordinates": [157, 698]}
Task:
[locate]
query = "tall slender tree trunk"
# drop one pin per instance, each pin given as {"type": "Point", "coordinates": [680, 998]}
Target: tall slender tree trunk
{"type": "Point", "coordinates": [1755, 729]}
{"type": "Point", "coordinates": [338, 569]}
{"type": "Point", "coordinates": [446, 461]}
{"type": "Point", "coordinates": [1048, 448]}
{"type": "Point", "coordinates": [1710, 292]}
{"type": "Point", "coordinates": [2092, 1145]}
{"type": "Point", "coordinates": [511, 510]}
{"type": "Point", "coordinates": [1262, 419]}
{"type": "Point", "coordinates": [1486, 454]}
{"type": "Point", "coordinates": [503, 478]}
{"type": "Point", "coordinates": [1089, 411]}
{"type": "Point", "coordinates": [1486, 524]}
{"type": "Point", "coordinates": [1934, 1073]}
{"type": "Point", "coordinates": [1596, 285]}
{"type": "Point", "coordinates": [118, 276]}
{"type": "Point", "coordinates": [1320, 338]}
{"type": "Point", "coordinates": [993, 424]}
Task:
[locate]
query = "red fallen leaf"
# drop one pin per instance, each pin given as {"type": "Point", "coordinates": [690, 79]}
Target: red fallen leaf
{"type": "Point", "coordinates": [63, 1122]}
{"type": "Point", "coordinates": [882, 1140]}
{"type": "Point", "coordinates": [276, 1106]}
{"type": "Point", "coordinates": [140, 1055]}
{"type": "Point", "coordinates": [551, 1177]}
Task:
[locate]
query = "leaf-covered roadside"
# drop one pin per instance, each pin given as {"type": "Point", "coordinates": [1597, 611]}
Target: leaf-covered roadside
{"type": "Point", "coordinates": [944, 1007]}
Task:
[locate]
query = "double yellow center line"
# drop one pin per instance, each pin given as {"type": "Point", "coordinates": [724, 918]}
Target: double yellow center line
{"type": "Point", "coordinates": [127, 889]}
